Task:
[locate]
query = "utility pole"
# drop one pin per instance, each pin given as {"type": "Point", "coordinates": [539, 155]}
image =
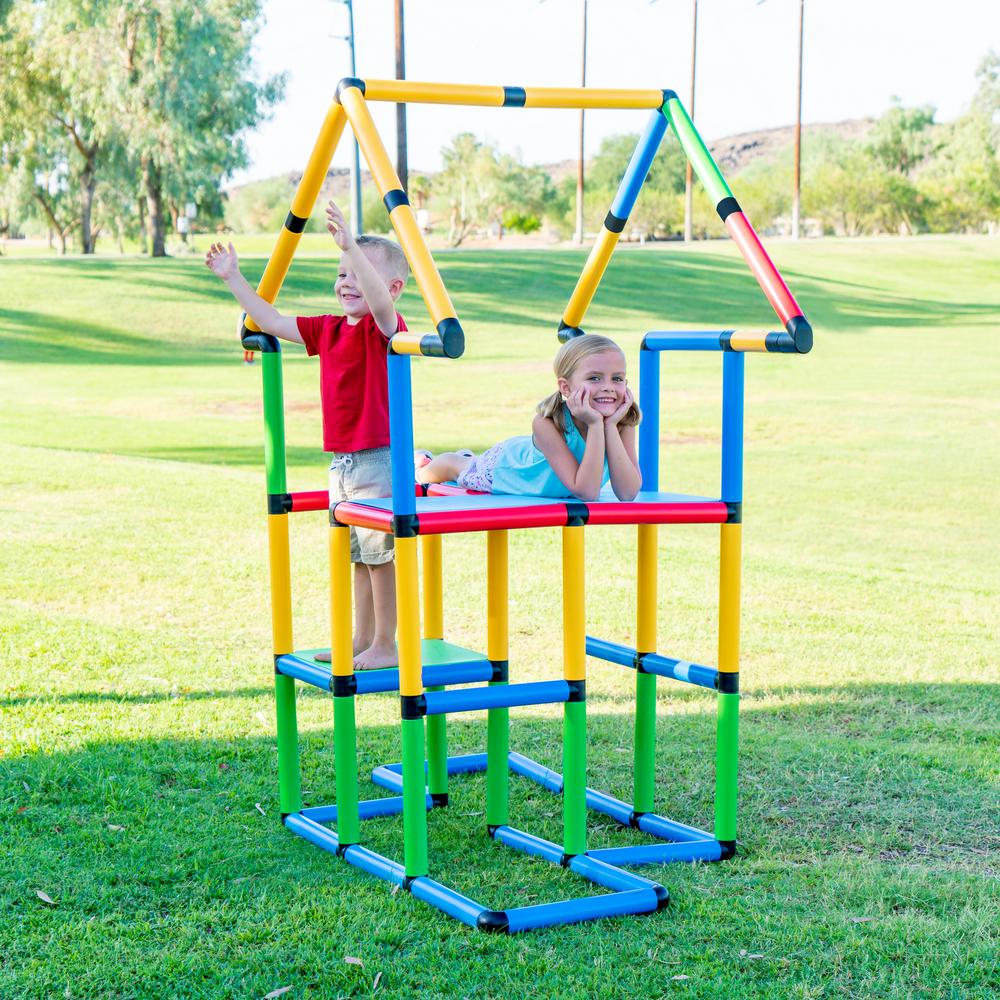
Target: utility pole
{"type": "Point", "coordinates": [579, 169]}
{"type": "Point", "coordinates": [796, 201]}
{"type": "Point", "coordinates": [688, 175]}
{"type": "Point", "coordinates": [401, 165]}
{"type": "Point", "coordinates": [357, 222]}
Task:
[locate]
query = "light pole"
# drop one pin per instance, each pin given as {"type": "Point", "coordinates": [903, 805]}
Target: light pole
{"type": "Point", "coordinates": [688, 177]}
{"type": "Point", "coordinates": [402, 167]}
{"type": "Point", "coordinates": [797, 170]}
{"type": "Point", "coordinates": [579, 168]}
{"type": "Point", "coordinates": [357, 223]}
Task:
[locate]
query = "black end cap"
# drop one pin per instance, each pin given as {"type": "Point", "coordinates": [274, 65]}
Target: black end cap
{"type": "Point", "coordinates": [439, 799]}
{"type": "Point", "coordinates": [405, 525]}
{"type": "Point", "coordinates": [346, 83]}
{"type": "Point", "coordinates": [734, 512]}
{"type": "Point", "coordinates": [633, 819]}
{"type": "Point", "coordinates": [412, 706]}
{"type": "Point", "coordinates": [662, 897]}
{"type": "Point", "coordinates": [491, 829]}
{"type": "Point", "coordinates": [295, 223]}
{"type": "Point", "coordinates": [727, 683]}
{"type": "Point", "coordinates": [452, 337]}
{"type": "Point", "coordinates": [577, 514]}
{"type": "Point", "coordinates": [565, 859]}
{"type": "Point", "coordinates": [801, 333]}
{"type": "Point", "coordinates": [344, 685]}
{"type": "Point", "coordinates": [613, 224]}
{"type": "Point", "coordinates": [669, 95]}
{"type": "Point", "coordinates": [279, 503]}
{"type": "Point", "coordinates": [567, 332]}
{"type": "Point", "coordinates": [727, 207]}
{"type": "Point", "coordinates": [394, 199]}
{"type": "Point", "coordinates": [493, 922]}
{"type": "Point", "coordinates": [577, 690]}
{"type": "Point", "coordinates": [263, 342]}
{"type": "Point", "coordinates": [284, 816]}
{"type": "Point", "coordinates": [501, 670]}
{"type": "Point", "coordinates": [728, 849]}
{"type": "Point", "coordinates": [514, 97]}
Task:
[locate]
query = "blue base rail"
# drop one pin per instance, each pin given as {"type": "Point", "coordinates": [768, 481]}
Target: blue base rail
{"type": "Point", "coordinates": [629, 893]}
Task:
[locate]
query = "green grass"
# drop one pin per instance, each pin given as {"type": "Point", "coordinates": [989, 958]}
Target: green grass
{"type": "Point", "coordinates": [136, 705]}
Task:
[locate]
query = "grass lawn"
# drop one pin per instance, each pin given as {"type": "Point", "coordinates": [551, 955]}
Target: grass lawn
{"type": "Point", "coordinates": [138, 783]}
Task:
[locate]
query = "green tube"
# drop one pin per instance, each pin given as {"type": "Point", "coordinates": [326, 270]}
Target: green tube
{"type": "Point", "coordinates": [497, 771]}
{"type": "Point", "coordinates": [725, 766]}
{"type": "Point", "coordinates": [645, 742]}
{"type": "Point", "coordinates": [345, 758]}
{"type": "Point", "coordinates": [437, 752]}
{"type": "Point", "coordinates": [289, 787]}
{"type": "Point", "coordinates": [274, 422]}
{"type": "Point", "coordinates": [696, 151]}
{"type": "Point", "coordinates": [414, 799]}
{"type": "Point", "coordinates": [575, 777]}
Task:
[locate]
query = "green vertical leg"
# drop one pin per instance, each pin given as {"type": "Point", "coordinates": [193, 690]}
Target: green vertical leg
{"type": "Point", "coordinates": [725, 769]}
{"type": "Point", "coordinates": [345, 756]}
{"type": "Point", "coordinates": [289, 787]}
{"type": "Point", "coordinates": [497, 774]}
{"type": "Point", "coordinates": [645, 742]}
{"type": "Point", "coordinates": [437, 756]}
{"type": "Point", "coordinates": [414, 799]}
{"type": "Point", "coordinates": [575, 777]}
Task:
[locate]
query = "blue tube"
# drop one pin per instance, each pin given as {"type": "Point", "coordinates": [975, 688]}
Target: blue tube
{"type": "Point", "coordinates": [680, 670]}
{"type": "Point", "coordinates": [529, 768]}
{"type": "Point", "coordinates": [378, 681]}
{"type": "Point", "coordinates": [401, 435]}
{"type": "Point", "coordinates": [467, 763]}
{"type": "Point", "coordinates": [683, 340]}
{"type": "Point", "coordinates": [453, 903]}
{"type": "Point", "coordinates": [501, 696]}
{"type": "Point", "coordinates": [388, 776]}
{"type": "Point", "coordinates": [612, 651]}
{"type": "Point", "coordinates": [658, 854]}
{"type": "Point", "coordinates": [367, 809]}
{"type": "Point", "coordinates": [375, 864]}
{"type": "Point", "coordinates": [601, 873]}
{"type": "Point", "coordinates": [313, 832]}
{"type": "Point", "coordinates": [529, 844]}
{"type": "Point", "coordinates": [638, 167]}
{"type": "Point", "coordinates": [732, 426]}
{"type": "Point", "coordinates": [649, 428]}
{"type": "Point", "coordinates": [667, 829]}
{"type": "Point", "coordinates": [292, 666]}
{"type": "Point", "coordinates": [571, 911]}
{"type": "Point", "coordinates": [609, 805]}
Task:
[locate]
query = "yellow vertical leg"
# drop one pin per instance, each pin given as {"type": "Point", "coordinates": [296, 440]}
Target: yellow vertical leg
{"type": "Point", "coordinates": [498, 719]}
{"type": "Point", "coordinates": [341, 649]}
{"type": "Point", "coordinates": [437, 725]}
{"type": "Point", "coordinates": [281, 583]}
{"type": "Point", "coordinates": [575, 709]}
{"type": "Point", "coordinates": [729, 597]}
{"type": "Point", "coordinates": [643, 778]}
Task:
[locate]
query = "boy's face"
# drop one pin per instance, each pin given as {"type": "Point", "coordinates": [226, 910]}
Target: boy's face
{"type": "Point", "coordinates": [349, 295]}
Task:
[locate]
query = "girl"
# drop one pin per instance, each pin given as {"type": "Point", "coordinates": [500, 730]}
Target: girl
{"type": "Point", "coordinates": [583, 435]}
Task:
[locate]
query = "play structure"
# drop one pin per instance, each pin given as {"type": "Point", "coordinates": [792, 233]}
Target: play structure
{"type": "Point", "coordinates": [430, 666]}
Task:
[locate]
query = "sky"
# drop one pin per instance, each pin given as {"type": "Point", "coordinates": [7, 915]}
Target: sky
{"type": "Point", "coordinates": [858, 56]}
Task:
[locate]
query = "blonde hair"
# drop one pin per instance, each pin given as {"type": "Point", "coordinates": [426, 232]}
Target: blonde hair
{"type": "Point", "coordinates": [568, 359]}
{"type": "Point", "coordinates": [389, 253]}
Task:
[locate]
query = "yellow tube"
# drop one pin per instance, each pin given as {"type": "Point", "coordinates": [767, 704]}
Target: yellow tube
{"type": "Point", "coordinates": [646, 593]}
{"type": "Point", "coordinates": [574, 625]}
{"type": "Point", "coordinates": [593, 271]}
{"type": "Point", "coordinates": [730, 539]}
{"type": "Point", "coordinates": [314, 175]}
{"type": "Point", "coordinates": [433, 599]}
{"type": "Point", "coordinates": [341, 647]}
{"type": "Point", "coordinates": [408, 603]}
{"type": "Point", "coordinates": [281, 583]}
{"type": "Point", "coordinates": [386, 178]}
{"type": "Point", "coordinates": [748, 340]}
{"type": "Point", "coordinates": [590, 97]}
{"type": "Point", "coordinates": [497, 628]}
{"type": "Point", "coordinates": [406, 91]}
{"type": "Point", "coordinates": [406, 342]}
{"type": "Point", "coordinates": [422, 264]}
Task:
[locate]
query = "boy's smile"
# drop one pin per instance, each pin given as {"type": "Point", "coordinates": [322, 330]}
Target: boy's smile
{"type": "Point", "coordinates": [349, 295]}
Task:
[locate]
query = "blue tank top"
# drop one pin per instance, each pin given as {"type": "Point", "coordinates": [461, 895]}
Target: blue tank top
{"type": "Point", "coordinates": [522, 469]}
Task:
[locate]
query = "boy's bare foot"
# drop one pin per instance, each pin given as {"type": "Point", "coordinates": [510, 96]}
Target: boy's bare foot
{"type": "Point", "coordinates": [324, 656]}
{"type": "Point", "coordinates": [377, 655]}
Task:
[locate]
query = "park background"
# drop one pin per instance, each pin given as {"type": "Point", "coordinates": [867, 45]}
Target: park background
{"type": "Point", "coordinates": [142, 853]}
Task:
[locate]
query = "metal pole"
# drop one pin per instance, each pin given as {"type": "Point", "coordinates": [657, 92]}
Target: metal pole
{"type": "Point", "coordinates": [579, 169]}
{"type": "Point", "coordinates": [401, 165]}
{"type": "Point", "coordinates": [688, 173]}
{"type": "Point", "coordinates": [796, 203]}
{"type": "Point", "coordinates": [357, 221]}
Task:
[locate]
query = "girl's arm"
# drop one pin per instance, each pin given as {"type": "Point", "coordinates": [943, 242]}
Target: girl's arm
{"type": "Point", "coordinates": [623, 466]}
{"type": "Point", "coordinates": [584, 478]}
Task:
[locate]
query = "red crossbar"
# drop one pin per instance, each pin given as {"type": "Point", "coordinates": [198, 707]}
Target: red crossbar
{"type": "Point", "coordinates": [695, 512]}
{"type": "Point", "coordinates": [361, 516]}
{"type": "Point", "coordinates": [490, 518]}
{"type": "Point", "coordinates": [310, 500]}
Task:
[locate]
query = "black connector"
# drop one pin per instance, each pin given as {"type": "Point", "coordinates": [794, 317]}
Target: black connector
{"type": "Point", "coordinates": [727, 207]}
{"type": "Point", "coordinates": [501, 671]}
{"type": "Point", "coordinates": [514, 97]}
{"type": "Point", "coordinates": [439, 800]}
{"type": "Point", "coordinates": [395, 198]}
{"type": "Point", "coordinates": [577, 691]}
{"type": "Point", "coordinates": [567, 332]}
{"type": "Point", "coordinates": [263, 342]}
{"type": "Point", "coordinates": [727, 683]}
{"type": "Point", "coordinates": [344, 685]}
{"type": "Point", "coordinates": [734, 512]}
{"type": "Point", "coordinates": [405, 525]}
{"type": "Point", "coordinates": [295, 223]}
{"type": "Point", "coordinates": [801, 333]}
{"type": "Point", "coordinates": [412, 706]}
{"type": "Point", "coordinates": [577, 514]}
{"type": "Point", "coordinates": [662, 897]}
{"type": "Point", "coordinates": [279, 503]}
{"type": "Point", "coordinates": [345, 84]}
{"type": "Point", "coordinates": [491, 829]}
{"type": "Point", "coordinates": [669, 95]}
{"type": "Point", "coordinates": [613, 224]}
{"type": "Point", "coordinates": [493, 922]}
{"type": "Point", "coordinates": [728, 849]}
{"type": "Point", "coordinates": [633, 819]}
{"type": "Point", "coordinates": [408, 881]}
{"type": "Point", "coordinates": [565, 859]}
{"type": "Point", "coordinates": [452, 337]}
{"type": "Point", "coordinates": [638, 662]}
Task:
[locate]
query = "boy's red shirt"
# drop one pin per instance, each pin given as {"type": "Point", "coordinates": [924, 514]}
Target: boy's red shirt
{"type": "Point", "coordinates": [353, 379]}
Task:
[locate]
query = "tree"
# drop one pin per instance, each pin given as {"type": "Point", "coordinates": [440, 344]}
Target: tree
{"type": "Point", "coordinates": [903, 138]}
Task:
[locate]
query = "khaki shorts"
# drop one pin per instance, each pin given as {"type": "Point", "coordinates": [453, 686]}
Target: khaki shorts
{"type": "Point", "coordinates": [362, 475]}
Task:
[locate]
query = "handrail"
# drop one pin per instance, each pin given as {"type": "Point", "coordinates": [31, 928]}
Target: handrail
{"type": "Point", "coordinates": [797, 340]}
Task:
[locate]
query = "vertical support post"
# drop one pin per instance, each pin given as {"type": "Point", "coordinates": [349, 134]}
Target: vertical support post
{"type": "Point", "coordinates": [649, 429]}
{"type": "Point", "coordinates": [345, 744]}
{"type": "Point", "coordinates": [437, 732]}
{"type": "Point", "coordinates": [498, 719]}
{"type": "Point", "coordinates": [645, 684]}
{"type": "Point", "coordinates": [575, 711]}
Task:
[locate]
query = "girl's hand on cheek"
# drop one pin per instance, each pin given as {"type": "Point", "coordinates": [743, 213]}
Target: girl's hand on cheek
{"type": "Point", "coordinates": [580, 408]}
{"type": "Point", "coordinates": [615, 417]}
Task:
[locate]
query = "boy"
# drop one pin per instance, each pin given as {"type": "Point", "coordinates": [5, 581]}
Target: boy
{"type": "Point", "coordinates": [354, 396]}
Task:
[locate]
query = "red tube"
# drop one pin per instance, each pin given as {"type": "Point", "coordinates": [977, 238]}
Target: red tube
{"type": "Point", "coordinates": [448, 521]}
{"type": "Point", "coordinates": [684, 512]}
{"type": "Point", "coordinates": [361, 516]}
{"type": "Point", "coordinates": [447, 490]}
{"type": "Point", "coordinates": [771, 283]}
{"type": "Point", "coordinates": [310, 500]}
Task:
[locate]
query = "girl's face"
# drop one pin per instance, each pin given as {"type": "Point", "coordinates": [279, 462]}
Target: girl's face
{"type": "Point", "coordinates": [602, 375]}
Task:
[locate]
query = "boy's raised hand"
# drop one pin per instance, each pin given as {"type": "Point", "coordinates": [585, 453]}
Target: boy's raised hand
{"type": "Point", "coordinates": [337, 226]}
{"type": "Point", "coordinates": [221, 261]}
